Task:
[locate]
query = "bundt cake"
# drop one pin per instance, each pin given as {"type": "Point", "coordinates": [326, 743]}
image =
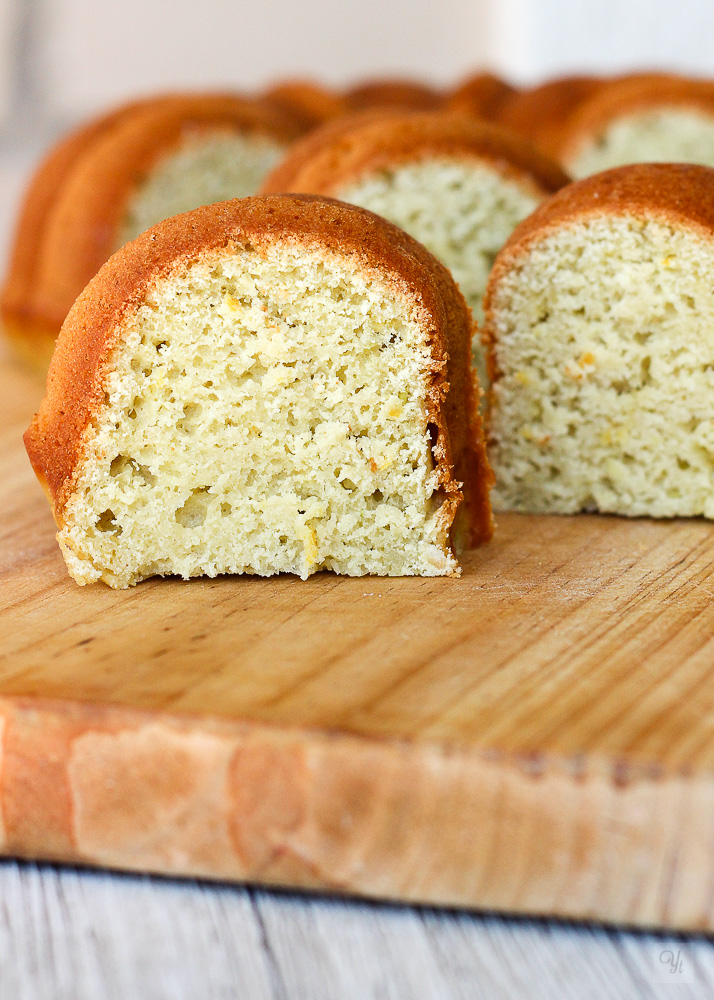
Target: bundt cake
{"type": "Point", "coordinates": [30, 339]}
{"type": "Point", "coordinates": [265, 385]}
{"type": "Point", "coordinates": [600, 333]}
{"type": "Point", "coordinates": [394, 92]}
{"type": "Point", "coordinates": [309, 102]}
{"type": "Point", "coordinates": [639, 118]}
{"type": "Point", "coordinates": [457, 185]}
{"type": "Point", "coordinates": [117, 176]}
{"type": "Point", "coordinates": [541, 113]}
{"type": "Point", "coordinates": [481, 95]}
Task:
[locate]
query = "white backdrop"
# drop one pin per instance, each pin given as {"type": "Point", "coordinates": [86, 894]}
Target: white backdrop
{"type": "Point", "coordinates": [98, 51]}
{"type": "Point", "coordinates": [530, 39]}
{"type": "Point", "coordinates": [60, 59]}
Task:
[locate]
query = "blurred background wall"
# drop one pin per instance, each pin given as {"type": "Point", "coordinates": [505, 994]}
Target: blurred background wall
{"type": "Point", "coordinates": [61, 59]}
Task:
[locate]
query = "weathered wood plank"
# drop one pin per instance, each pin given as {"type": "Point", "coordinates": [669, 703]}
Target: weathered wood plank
{"type": "Point", "coordinates": [74, 935]}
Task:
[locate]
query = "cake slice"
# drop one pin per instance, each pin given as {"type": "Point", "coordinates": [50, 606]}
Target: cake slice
{"type": "Point", "coordinates": [29, 336]}
{"type": "Point", "coordinates": [393, 92]}
{"type": "Point", "coordinates": [481, 95]}
{"type": "Point", "coordinates": [600, 326]}
{"type": "Point", "coordinates": [269, 385]}
{"type": "Point", "coordinates": [541, 113]}
{"type": "Point", "coordinates": [309, 102]}
{"type": "Point", "coordinates": [457, 185]}
{"type": "Point", "coordinates": [116, 176]}
{"type": "Point", "coordinates": [648, 117]}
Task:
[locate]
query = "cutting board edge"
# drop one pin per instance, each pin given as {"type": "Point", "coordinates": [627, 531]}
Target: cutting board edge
{"type": "Point", "coordinates": [400, 820]}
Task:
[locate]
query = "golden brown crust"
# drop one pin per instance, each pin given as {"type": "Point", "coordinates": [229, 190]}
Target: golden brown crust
{"type": "Point", "coordinates": [343, 151]}
{"type": "Point", "coordinates": [676, 193]}
{"type": "Point", "coordinates": [73, 208]}
{"type": "Point", "coordinates": [629, 95]}
{"type": "Point", "coordinates": [82, 359]}
{"type": "Point", "coordinates": [481, 95]}
{"type": "Point", "coordinates": [540, 113]}
{"type": "Point", "coordinates": [393, 92]}
{"type": "Point", "coordinates": [309, 102]}
{"type": "Point", "coordinates": [35, 209]}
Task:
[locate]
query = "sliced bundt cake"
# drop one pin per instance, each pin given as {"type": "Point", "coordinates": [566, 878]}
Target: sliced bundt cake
{"type": "Point", "coordinates": [306, 100]}
{"type": "Point", "coordinates": [276, 384]}
{"type": "Point", "coordinates": [457, 185]}
{"type": "Point", "coordinates": [119, 175]}
{"type": "Point", "coordinates": [481, 95]}
{"type": "Point", "coordinates": [541, 113]}
{"type": "Point", "coordinates": [640, 118]}
{"type": "Point", "coordinates": [393, 92]}
{"type": "Point", "coordinates": [30, 337]}
{"type": "Point", "coordinates": [600, 325]}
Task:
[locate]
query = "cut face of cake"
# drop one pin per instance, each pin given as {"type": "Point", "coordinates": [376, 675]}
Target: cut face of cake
{"type": "Point", "coordinates": [117, 176]}
{"type": "Point", "coordinates": [457, 185]}
{"type": "Point", "coordinates": [269, 385]}
{"type": "Point", "coordinates": [600, 324]}
{"type": "Point", "coordinates": [638, 119]}
{"type": "Point", "coordinates": [207, 167]}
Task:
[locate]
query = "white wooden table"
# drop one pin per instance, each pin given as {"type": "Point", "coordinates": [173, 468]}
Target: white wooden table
{"type": "Point", "coordinates": [81, 935]}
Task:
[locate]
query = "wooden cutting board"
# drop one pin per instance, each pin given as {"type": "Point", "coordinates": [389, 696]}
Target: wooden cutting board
{"type": "Point", "coordinates": [536, 737]}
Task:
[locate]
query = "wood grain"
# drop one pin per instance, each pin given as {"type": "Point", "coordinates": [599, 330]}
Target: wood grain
{"type": "Point", "coordinates": [536, 737]}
